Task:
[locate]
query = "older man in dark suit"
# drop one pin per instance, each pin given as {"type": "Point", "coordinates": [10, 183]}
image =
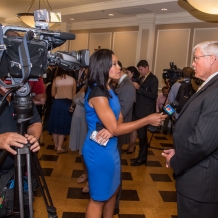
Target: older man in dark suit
{"type": "Point", "coordinates": [195, 158]}
{"type": "Point", "coordinates": [146, 95]}
{"type": "Point", "coordinates": [126, 94]}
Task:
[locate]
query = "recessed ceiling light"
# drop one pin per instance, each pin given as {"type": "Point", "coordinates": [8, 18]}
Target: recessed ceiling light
{"type": "Point", "coordinates": [111, 15]}
{"type": "Point", "coordinates": [164, 9]}
{"type": "Point", "coordinates": [71, 19]}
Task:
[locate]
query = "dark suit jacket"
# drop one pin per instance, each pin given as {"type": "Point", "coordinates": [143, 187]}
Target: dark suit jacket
{"type": "Point", "coordinates": [195, 135]}
{"type": "Point", "coordinates": [126, 95]}
{"type": "Point", "coordinates": [146, 97]}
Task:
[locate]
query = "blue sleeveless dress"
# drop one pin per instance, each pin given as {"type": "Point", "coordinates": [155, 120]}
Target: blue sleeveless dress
{"type": "Point", "coordinates": [102, 162]}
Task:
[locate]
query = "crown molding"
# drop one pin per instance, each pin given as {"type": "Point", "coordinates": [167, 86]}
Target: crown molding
{"type": "Point", "coordinates": [109, 5]}
{"type": "Point", "coordinates": [105, 23]}
{"type": "Point", "coordinates": [145, 19]}
{"type": "Point", "coordinates": [182, 17]}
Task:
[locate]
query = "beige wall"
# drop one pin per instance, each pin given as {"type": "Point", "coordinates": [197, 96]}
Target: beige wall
{"type": "Point", "coordinates": [124, 47]}
{"type": "Point", "coordinates": [123, 41]}
{"type": "Point", "coordinates": [100, 40]}
{"type": "Point", "coordinates": [178, 49]}
{"type": "Point", "coordinates": [144, 44]}
{"type": "Point", "coordinates": [165, 42]}
{"type": "Point", "coordinates": [171, 46]}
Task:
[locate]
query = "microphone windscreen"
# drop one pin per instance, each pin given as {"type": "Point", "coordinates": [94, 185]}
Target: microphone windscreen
{"type": "Point", "coordinates": [67, 36]}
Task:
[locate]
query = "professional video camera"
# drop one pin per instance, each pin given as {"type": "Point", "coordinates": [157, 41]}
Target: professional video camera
{"type": "Point", "coordinates": [172, 75]}
{"type": "Point", "coordinates": [23, 58]}
{"type": "Point", "coordinates": [28, 56]}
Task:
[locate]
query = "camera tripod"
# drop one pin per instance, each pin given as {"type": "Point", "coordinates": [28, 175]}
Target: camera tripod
{"type": "Point", "coordinates": [23, 108]}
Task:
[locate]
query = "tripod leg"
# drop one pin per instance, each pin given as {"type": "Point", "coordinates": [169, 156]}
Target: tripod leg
{"type": "Point", "coordinates": [18, 188]}
{"type": "Point", "coordinates": [44, 188]}
{"type": "Point", "coordinates": [149, 143]}
{"type": "Point", "coordinates": [30, 193]}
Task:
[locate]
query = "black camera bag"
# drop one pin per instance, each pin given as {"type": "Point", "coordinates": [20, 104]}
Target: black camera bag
{"type": "Point", "coordinates": [10, 61]}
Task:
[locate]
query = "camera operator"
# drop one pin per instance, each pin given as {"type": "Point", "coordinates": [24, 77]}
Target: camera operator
{"type": "Point", "coordinates": [188, 72]}
{"type": "Point", "coordinates": [8, 132]}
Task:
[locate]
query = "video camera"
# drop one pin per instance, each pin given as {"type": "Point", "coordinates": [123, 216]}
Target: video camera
{"type": "Point", "coordinates": [28, 56]}
{"type": "Point", "coordinates": [173, 74]}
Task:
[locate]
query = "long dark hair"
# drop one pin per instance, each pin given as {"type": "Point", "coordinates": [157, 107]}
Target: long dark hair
{"type": "Point", "coordinates": [61, 72]}
{"type": "Point", "coordinates": [99, 67]}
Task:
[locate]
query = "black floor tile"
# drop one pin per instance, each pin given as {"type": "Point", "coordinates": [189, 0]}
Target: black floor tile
{"type": "Point", "coordinates": [160, 177]}
{"type": "Point", "coordinates": [150, 152]}
{"type": "Point", "coordinates": [160, 138]}
{"type": "Point", "coordinates": [124, 162]}
{"type": "Point", "coordinates": [77, 173]}
{"type": "Point", "coordinates": [47, 171]}
{"type": "Point", "coordinates": [168, 196]}
{"type": "Point", "coordinates": [50, 147]}
{"type": "Point", "coordinates": [166, 145]}
{"type": "Point", "coordinates": [46, 157]}
{"type": "Point", "coordinates": [76, 193]}
{"type": "Point", "coordinates": [78, 160]}
{"type": "Point", "coordinates": [129, 195]}
{"type": "Point", "coordinates": [153, 164]}
{"type": "Point", "coordinates": [131, 216]}
{"type": "Point", "coordinates": [126, 176]}
{"type": "Point", "coordinates": [73, 215]}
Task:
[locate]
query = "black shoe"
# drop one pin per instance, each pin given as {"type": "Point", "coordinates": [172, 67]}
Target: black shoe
{"type": "Point", "coordinates": [130, 152]}
{"type": "Point", "coordinates": [134, 159]}
{"type": "Point", "coordinates": [116, 210]}
{"type": "Point", "coordinates": [138, 162]}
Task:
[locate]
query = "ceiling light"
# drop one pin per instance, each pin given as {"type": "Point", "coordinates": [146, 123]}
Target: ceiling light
{"type": "Point", "coordinates": [163, 9]}
{"type": "Point", "coordinates": [71, 18]}
{"type": "Point", "coordinates": [28, 17]}
{"type": "Point", "coordinates": [111, 15]}
{"type": "Point", "coordinates": [209, 6]}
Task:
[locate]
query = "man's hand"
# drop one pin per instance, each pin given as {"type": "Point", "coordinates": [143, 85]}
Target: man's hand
{"type": "Point", "coordinates": [34, 142]}
{"type": "Point", "coordinates": [11, 139]}
{"type": "Point", "coordinates": [136, 85]}
{"type": "Point", "coordinates": [168, 154]}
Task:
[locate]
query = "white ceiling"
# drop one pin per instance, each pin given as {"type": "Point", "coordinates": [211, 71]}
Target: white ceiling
{"type": "Point", "coordinates": [87, 10]}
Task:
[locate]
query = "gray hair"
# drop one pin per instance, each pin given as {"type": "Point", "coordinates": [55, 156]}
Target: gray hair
{"type": "Point", "coordinates": [208, 48]}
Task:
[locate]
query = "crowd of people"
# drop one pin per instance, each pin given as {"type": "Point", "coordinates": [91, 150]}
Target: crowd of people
{"type": "Point", "coordinates": [78, 102]}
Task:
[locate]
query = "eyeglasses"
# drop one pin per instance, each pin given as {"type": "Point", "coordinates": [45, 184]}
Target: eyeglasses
{"type": "Point", "coordinates": [196, 58]}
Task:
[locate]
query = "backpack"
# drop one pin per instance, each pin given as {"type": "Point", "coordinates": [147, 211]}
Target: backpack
{"type": "Point", "coordinates": [184, 93]}
{"type": "Point", "coordinates": [7, 194]}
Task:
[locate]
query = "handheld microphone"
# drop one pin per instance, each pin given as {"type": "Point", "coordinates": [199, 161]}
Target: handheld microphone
{"type": "Point", "coordinates": [169, 109]}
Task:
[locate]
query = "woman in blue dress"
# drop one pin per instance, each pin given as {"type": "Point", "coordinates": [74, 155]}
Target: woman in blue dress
{"type": "Point", "coordinates": [103, 114]}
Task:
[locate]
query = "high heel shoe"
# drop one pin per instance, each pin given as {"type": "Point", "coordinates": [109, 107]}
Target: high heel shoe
{"type": "Point", "coordinates": [130, 152]}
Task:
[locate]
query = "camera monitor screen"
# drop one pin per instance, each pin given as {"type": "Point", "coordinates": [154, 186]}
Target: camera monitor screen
{"type": "Point", "coordinates": [169, 109]}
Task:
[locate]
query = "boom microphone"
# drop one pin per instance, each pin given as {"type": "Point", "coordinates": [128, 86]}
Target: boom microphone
{"type": "Point", "coordinates": [59, 35]}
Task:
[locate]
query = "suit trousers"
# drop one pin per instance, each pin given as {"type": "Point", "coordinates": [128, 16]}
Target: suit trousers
{"type": "Point", "coordinates": [188, 208]}
{"type": "Point", "coordinates": [143, 143]}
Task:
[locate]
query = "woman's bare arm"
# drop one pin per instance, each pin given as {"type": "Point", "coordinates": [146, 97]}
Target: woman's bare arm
{"type": "Point", "coordinates": [107, 117]}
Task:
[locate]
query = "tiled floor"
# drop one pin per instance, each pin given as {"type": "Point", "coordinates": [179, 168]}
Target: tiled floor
{"type": "Point", "coordinates": [148, 190]}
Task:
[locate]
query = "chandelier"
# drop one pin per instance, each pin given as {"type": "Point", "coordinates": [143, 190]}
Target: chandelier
{"type": "Point", "coordinates": [28, 17]}
{"type": "Point", "coordinates": [206, 6]}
